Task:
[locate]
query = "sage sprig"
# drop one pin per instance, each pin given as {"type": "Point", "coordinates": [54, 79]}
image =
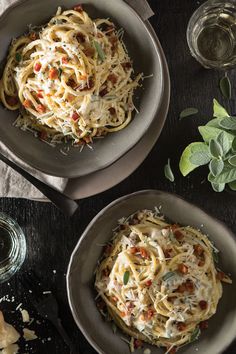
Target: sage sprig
{"type": "Point", "coordinates": [218, 150]}
{"type": "Point", "coordinates": [187, 112]}
{"type": "Point", "coordinates": [225, 87]}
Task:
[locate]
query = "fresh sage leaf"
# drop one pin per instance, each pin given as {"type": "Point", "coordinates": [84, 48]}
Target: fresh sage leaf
{"type": "Point", "coordinates": [168, 172]}
{"type": "Point", "coordinates": [187, 112]}
{"type": "Point", "coordinates": [218, 187]}
{"type": "Point", "coordinates": [228, 123]}
{"type": "Point", "coordinates": [126, 277]}
{"type": "Point", "coordinates": [215, 148]}
{"type": "Point", "coordinates": [18, 57]}
{"type": "Point", "coordinates": [214, 123]}
{"type": "Point", "coordinates": [200, 158]}
{"type": "Point", "coordinates": [168, 275]}
{"type": "Point", "coordinates": [226, 176]}
{"type": "Point", "coordinates": [224, 142]}
{"type": "Point", "coordinates": [232, 160]}
{"type": "Point", "coordinates": [216, 166]}
{"type": "Point", "coordinates": [195, 334]}
{"type": "Point", "coordinates": [99, 50]}
{"type": "Point", "coordinates": [185, 164]}
{"type": "Point", "coordinates": [215, 256]}
{"type": "Point", "coordinates": [232, 185]}
{"type": "Point", "coordinates": [218, 110]}
{"type": "Point", "coordinates": [234, 145]}
{"type": "Point", "coordinates": [200, 148]}
{"type": "Point", "coordinates": [225, 87]}
{"type": "Point", "coordinates": [208, 133]}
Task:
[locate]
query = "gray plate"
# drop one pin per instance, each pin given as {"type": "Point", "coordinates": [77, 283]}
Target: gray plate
{"type": "Point", "coordinates": [146, 56]}
{"type": "Point", "coordinates": [80, 274]}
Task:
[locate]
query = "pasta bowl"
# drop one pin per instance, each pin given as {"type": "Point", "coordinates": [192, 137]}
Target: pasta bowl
{"type": "Point", "coordinates": [142, 47]}
{"type": "Point", "coordinates": [83, 262]}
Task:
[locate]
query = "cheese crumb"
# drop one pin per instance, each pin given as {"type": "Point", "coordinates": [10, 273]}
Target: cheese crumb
{"type": "Point", "coordinates": [8, 334]}
{"type": "Point", "coordinates": [25, 315]}
{"type": "Point", "coordinates": [11, 349]}
{"type": "Point", "coordinates": [29, 334]}
{"type": "Point", "coordinates": [147, 351]}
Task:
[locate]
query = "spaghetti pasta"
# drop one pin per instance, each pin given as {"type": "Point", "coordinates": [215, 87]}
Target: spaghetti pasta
{"type": "Point", "coordinates": [159, 280]}
{"type": "Point", "coordinates": [72, 79]}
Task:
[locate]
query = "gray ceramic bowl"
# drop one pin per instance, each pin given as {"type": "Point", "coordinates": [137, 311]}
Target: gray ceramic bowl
{"type": "Point", "coordinates": [80, 275]}
{"type": "Point", "coordinates": [143, 50]}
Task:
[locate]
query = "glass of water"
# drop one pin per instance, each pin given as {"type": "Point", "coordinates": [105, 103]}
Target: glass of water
{"type": "Point", "coordinates": [211, 34]}
{"type": "Point", "coordinates": [12, 247]}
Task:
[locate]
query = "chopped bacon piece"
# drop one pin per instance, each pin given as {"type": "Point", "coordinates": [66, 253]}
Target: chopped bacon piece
{"type": "Point", "coordinates": [189, 286]}
{"type": "Point", "coordinates": [89, 51]}
{"type": "Point", "coordinates": [182, 268]}
{"type": "Point", "coordinates": [83, 77]}
{"type": "Point", "coordinates": [133, 250]}
{"type": "Point", "coordinates": [203, 325]}
{"type": "Point", "coordinates": [202, 304]}
{"type": "Point", "coordinates": [220, 275]}
{"type": "Point", "coordinates": [181, 326]}
{"type": "Point", "coordinates": [105, 272]}
{"type": "Point", "coordinates": [113, 78]}
{"type": "Point", "coordinates": [171, 298]}
{"type": "Point", "coordinates": [80, 37]}
{"type": "Point", "coordinates": [37, 67]}
{"type": "Point", "coordinates": [201, 263]}
{"type": "Point", "coordinates": [167, 252]}
{"type": "Point", "coordinates": [53, 74]}
{"type": "Point", "coordinates": [172, 350]}
{"type": "Point", "coordinates": [75, 116]}
{"type": "Point", "coordinates": [39, 94]}
{"type": "Point", "coordinates": [144, 253]}
{"type": "Point", "coordinates": [101, 304]}
{"type": "Point", "coordinates": [71, 82]}
{"type": "Point", "coordinates": [148, 282]}
{"type": "Point", "coordinates": [181, 288]}
{"type": "Point", "coordinates": [109, 29]}
{"type": "Point", "coordinates": [150, 314]}
{"type": "Point", "coordinates": [43, 135]}
{"type": "Point", "coordinates": [107, 250]}
{"type": "Point", "coordinates": [41, 108]}
{"type": "Point", "coordinates": [12, 100]}
{"type": "Point", "coordinates": [33, 36]}
{"type": "Point", "coordinates": [87, 139]}
{"type": "Point", "coordinates": [114, 42]}
{"type": "Point", "coordinates": [78, 8]}
{"type": "Point", "coordinates": [127, 65]}
{"type": "Point", "coordinates": [123, 314]}
{"type": "Point", "coordinates": [27, 103]}
{"type": "Point", "coordinates": [112, 111]}
{"type": "Point", "coordinates": [198, 250]}
{"type": "Point", "coordinates": [103, 92]}
{"type": "Point", "coordinates": [99, 35]}
{"type": "Point", "coordinates": [178, 235]}
{"type": "Point", "coordinates": [65, 60]}
{"type": "Point", "coordinates": [138, 343]}
{"type": "Point", "coordinates": [114, 298]}
{"type": "Point", "coordinates": [129, 305]}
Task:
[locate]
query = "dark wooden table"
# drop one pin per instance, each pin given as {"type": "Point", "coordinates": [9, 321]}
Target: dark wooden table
{"type": "Point", "coordinates": [51, 237]}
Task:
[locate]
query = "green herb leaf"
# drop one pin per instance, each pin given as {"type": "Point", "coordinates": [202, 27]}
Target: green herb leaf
{"type": "Point", "coordinates": [99, 50]}
{"type": "Point", "coordinates": [226, 176]}
{"type": "Point", "coordinates": [200, 158]}
{"type": "Point", "coordinates": [185, 165]}
{"type": "Point", "coordinates": [195, 335]}
{"type": "Point", "coordinates": [218, 110]}
{"type": "Point", "coordinates": [218, 187]}
{"type": "Point", "coordinates": [232, 185]}
{"type": "Point", "coordinates": [215, 148]}
{"type": "Point", "coordinates": [114, 328]}
{"type": "Point", "coordinates": [232, 160]}
{"type": "Point", "coordinates": [225, 87]}
{"type": "Point", "coordinates": [216, 166]}
{"type": "Point", "coordinates": [214, 123]}
{"type": "Point", "coordinates": [228, 123]}
{"type": "Point", "coordinates": [168, 172]}
{"type": "Point", "coordinates": [168, 275]}
{"type": "Point", "coordinates": [224, 142]}
{"type": "Point", "coordinates": [126, 277]}
{"type": "Point", "coordinates": [60, 72]}
{"type": "Point", "coordinates": [187, 112]}
{"type": "Point", "coordinates": [215, 256]}
{"type": "Point", "coordinates": [234, 145]}
{"type": "Point", "coordinates": [18, 57]}
{"type": "Point", "coordinates": [209, 133]}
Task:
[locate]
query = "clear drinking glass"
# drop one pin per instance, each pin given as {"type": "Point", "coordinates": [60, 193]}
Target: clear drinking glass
{"type": "Point", "coordinates": [12, 247]}
{"type": "Point", "coordinates": [211, 34]}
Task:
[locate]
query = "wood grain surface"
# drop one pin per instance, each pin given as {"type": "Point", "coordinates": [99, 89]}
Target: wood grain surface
{"type": "Point", "coordinates": [51, 237]}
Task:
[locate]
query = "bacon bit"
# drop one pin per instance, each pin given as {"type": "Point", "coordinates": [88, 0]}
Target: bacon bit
{"type": "Point", "coordinates": [181, 288]}
{"type": "Point", "coordinates": [150, 314]}
{"type": "Point", "coordinates": [37, 67]}
{"type": "Point", "coordinates": [201, 263]}
{"type": "Point", "coordinates": [33, 36]}
{"type": "Point", "coordinates": [105, 272]}
{"type": "Point", "coordinates": [181, 326]}
{"type": "Point", "coordinates": [109, 28]}
{"type": "Point", "coordinates": [114, 42]}
{"type": "Point", "coordinates": [189, 286]}
{"type": "Point", "coordinates": [123, 314]}
{"type": "Point", "coordinates": [112, 111]}
{"type": "Point", "coordinates": [171, 298]}
{"type": "Point", "coordinates": [114, 298]}
{"type": "Point", "coordinates": [182, 268]}
{"type": "Point", "coordinates": [178, 235]}
{"type": "Point", "coordinates": [127, 65]}
{"type": "Point", "coordinates": [107, 250]}
{"type": "Point", "coordinates": [89, 51]}
{"type": "Point", "coordinates": [99, 35]}
{"type": "Point", "coordinates": [83, 77]}
{"type": "Point", "coordinates": [167, 253]}
{"type": "Point", "coordinates": [43, 135]}
{"type": "Point", "coordinates": [202, 304]}
{"type": "Point", "coordinates": [101, 304]}
{"type": "Point", "coordinates": [39, 94]}
{"type": "Point", "coordinates": [129, 305]}
{"type": "Point", "coordinates": [144, 253]}
{"type": "Point", "coordinates": [90, 85]}
{"type": "Point", "coordinates": [172, 350]}
{"type": "Point", "coordinates": [78, 8]}
{"type": "Point", "coordinates": [12, 100]}
{"type": "Point", "coordinates": [113, 78]}
{"type": "Point", "coordinates": [220, 275]}
{"type": "Point", "coordinates": [41, 108]}
{"type": "Point", "coordinates": [80, 37]}
{"type": "Point", "coordinates": [198, 250]}
{"type": "Point", "coordinates": [148, 282]}
{"type": "Point", "coordinates": [203, 325]}
{"type": "Point", "coordinates": [133, 221]}
{"type": "Point", "coordinates": [104, 92]}
{"type": "Point", "coordinates": [138, 343]}
{"type": "Point", "coordinates": [75, 116]}
{"type": "Point", "coordinates": [87, 139]}
{"type": "Point", "coordinates": [142, 317]}
{"type": "Point", "coordinates": [65, 60]}
{"type": "Point", "coordinates": [27, 103]}
{"type": "Point", "coordinates": [133, 250]}
{"type": "Point", "coordinates": [53, 74]}
{"type": "Point", "coordinates": [48, 94]}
